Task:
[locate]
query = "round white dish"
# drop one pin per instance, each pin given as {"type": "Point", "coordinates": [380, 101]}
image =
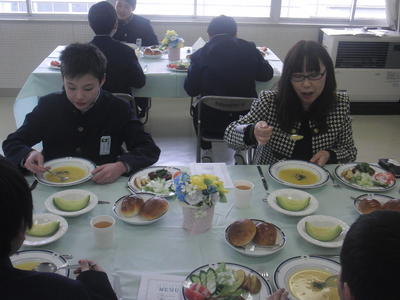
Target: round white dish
{"type": "Point", "coordinates": [71, 195]}
{"type": "Point", "coordinates": [177, 70]}
{"type": "Point", "coordinates": [85, 164]}
{"type": "Point", "coordinates": [321, 173]}
{"type": "Point", "coordinates": [320, 220]}
{"type": "Point", "coordinates": [135, 220]}
{"type": "Point", "coordinates": [252, 249]}
{"type": "Point", "coordinates": [382, 199]}
{"type": "Point", "coordinates": [311, 208]}
{"type": "Point", "coordinates": [44, 218]}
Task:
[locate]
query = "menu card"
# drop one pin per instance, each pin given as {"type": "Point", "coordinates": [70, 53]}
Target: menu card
{"type": "Point", "coordinates": [160, 287]}
{"type": "Point", "coordinates": [217, 169]}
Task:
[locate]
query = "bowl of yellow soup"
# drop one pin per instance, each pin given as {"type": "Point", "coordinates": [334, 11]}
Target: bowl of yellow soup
{"type": "Point", "coordinates": [297, 275]}
{"type": "Point", "coordinates": [66, 171]}
{"type": "Point", "coordinates": [299, 174]}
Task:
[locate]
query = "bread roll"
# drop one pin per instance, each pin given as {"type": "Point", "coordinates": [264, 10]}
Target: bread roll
{"type": "Point", "coordinates": [153, 208]}
{"type": "Point", "coordinates": [367, 206]}
{"type": "Point", "coordinates": [241, 232]}
{"type": "Point", "coordinates": [265, 234]}
{"type": "Point", "coordinates": [392, 205]}
{"type": "Point", "coordinates": [131, 205]}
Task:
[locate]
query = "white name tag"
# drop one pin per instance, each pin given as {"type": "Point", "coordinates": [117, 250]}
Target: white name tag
{"type": "Point", "coordinates": [105, 145]}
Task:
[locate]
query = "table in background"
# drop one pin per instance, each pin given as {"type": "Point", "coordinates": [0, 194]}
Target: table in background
{"type": "Point", "coordinates": [160, 82]}
{"type": "Point", "coordinates": [165, 247]}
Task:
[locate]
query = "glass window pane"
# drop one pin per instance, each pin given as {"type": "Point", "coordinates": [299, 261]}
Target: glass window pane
{"type": "Point", "coordinates": [316, 9]}
{"type": "Point", "coordinates": [12, 6]}
{"type": "Point", "coordinates": [61, 6]}
{"type": "Point", "coordinates": [370, 9]}
{"type": "Point", "coordinates": [165, 7]}
{"type": "Point", "coordinates": [234, 8]}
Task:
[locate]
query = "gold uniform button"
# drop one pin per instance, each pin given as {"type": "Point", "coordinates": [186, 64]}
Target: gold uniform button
{"type": "Point", "coordinates": [78, 150]}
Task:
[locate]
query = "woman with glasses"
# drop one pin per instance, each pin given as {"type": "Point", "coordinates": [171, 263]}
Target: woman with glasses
{"type": "Point", "coordinates": [305, 118]}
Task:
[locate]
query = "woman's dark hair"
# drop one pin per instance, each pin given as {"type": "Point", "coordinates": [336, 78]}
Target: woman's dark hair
{"type": "Point", "coordinates": [370, 256]}
{"type": "Point", "coordinates": [222, 25]}
{"type": "Point", "coordinates": [305, 56]}
{"type": "Point", "coordinates": [78, 60]}
{"type": "Point", "coordinates": [102, 17]}
{"type": "Point", "coordinates": [16, 203]}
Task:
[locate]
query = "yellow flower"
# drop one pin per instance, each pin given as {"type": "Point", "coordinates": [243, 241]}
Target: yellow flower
{"type": "Point", "coordinates": [198, 182]}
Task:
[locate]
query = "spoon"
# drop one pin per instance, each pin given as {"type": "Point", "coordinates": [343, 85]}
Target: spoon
{"type": "Point", "coordinates": [296, 137]}
{"type": "Point", "coordinates": [331, 281]}
{"type": "Point", "coordinates": [49, 267]}
{"type": "Point", "coordinates": [62, 178]}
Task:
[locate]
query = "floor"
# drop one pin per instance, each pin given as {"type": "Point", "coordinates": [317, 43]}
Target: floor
{"type": "Point", "coordinates": [171, 126]}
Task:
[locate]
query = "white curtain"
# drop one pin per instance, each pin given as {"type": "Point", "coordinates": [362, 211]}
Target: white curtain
{"type": "Point", "coordinates": [392, 13]}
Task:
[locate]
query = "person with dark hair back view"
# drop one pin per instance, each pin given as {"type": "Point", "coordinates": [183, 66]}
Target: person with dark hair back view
{"type": "Point", "coordinates": [370, 260]}
{"type": "Point", "coordinates": [225, 66]}
{"type": "Point", "coordinates": [123, 69]}
{"type": "Point", "coordinates": [83, 121]}
{"type": "Point", "coordinates": [16, 200]}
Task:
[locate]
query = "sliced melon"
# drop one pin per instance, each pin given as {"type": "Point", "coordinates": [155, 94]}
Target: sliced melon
{"type": "Point", "coordinates": [71, 205]}
{"type": "Point", "coordinates": [323, 233]}
{"type": "Point", "coordinates": [292, 204]}
{"type": "Point", "coordinates": [44, 229]}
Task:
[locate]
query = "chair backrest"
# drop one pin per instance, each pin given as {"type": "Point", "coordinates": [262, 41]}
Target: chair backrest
{"type": "Point", "coordinates": [128, 99]}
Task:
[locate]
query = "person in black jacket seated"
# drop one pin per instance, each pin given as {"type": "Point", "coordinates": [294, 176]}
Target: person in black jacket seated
{"type": "Point", "coordinates": [225, 66]}
{"type": "Point", "coordinates": [131, 26]}
{"type": "Point", "coordinates": [83, 121]}
{"type": "Point", "coordinates": [123, 68]}
{"type": "Point", "coordinates": [16, 199]}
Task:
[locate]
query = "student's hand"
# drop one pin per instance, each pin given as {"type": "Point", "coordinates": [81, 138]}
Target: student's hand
{"type": "Point", "coordinates": [108, 173]}
{"type": "Point", "coordinates": [34, 162]}
{"type": "Point", "coordinates": [262, 132]}
{"type": "Point", "coordinates": [86, 265]}
{"type": "Point", "coordinates": [280, 294]}
{"type": "Point", "coordinates": [320, 158]}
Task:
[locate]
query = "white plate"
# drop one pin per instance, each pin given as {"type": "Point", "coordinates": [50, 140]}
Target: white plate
{"type": "Point", "coordinates": [71, 195]}
{"type": "Point", "coordinates": [293, 265]}
{"type": "Point", "coordinates": [253, 250]}
{"type": "Point", "coordinates": [85, 164]}
{"type": "Point", "coordinates": [135, 220]}
{"type": "Point", "coordinates": [177, 70]}
{"type": "Point", "coordinates": [144, 173]}
{"type": "Point", "coordinates": [322, 174]}
{"type": "Point", "coordinates": [320, 220]}
{"type": "Point", "coordinates": [44, 218]}
{"type": "Point", "coordinates": [158, 56]}
{"type": "Point", "coordinates": [339, 170]}
{"type": "Point", "coordinates": [54, 68]}
{"type": "Point", "coordinates": [312, 207]}
{"type": "Point", "coordinates": [382, 199]}
{"type": "Point", "coordinates": [40, 256]}
{"type": "Point", "coordinates": [265, 286]}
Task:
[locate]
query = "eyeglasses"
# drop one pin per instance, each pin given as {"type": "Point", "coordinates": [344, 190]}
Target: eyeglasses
{"type": "Point", "coordinates": [296, 77]}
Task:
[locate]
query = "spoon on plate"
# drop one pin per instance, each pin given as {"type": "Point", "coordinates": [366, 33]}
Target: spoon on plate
{"type": "Point", "coordinates": [331, 281]}
{"type": "Point", "coordinates": [58, 175]}
{"type": "Point", "coordinates": [49, 267]}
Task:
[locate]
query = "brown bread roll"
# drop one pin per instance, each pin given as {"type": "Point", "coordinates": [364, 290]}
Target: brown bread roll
{"type": "Point", "coordinates": [265, 234]}
{"type": "Point", "coordinates": [367, 206]}
{"type": "Point", "coordinates": [153, 208]}
{"type": "Point", "coordinates": [131, 205]}
{"type": "Point", "coordinates": [241, 232]}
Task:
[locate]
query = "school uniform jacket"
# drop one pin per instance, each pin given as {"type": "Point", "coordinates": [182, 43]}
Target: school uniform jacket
{"type": "Point", "coordinates": [338, 138]}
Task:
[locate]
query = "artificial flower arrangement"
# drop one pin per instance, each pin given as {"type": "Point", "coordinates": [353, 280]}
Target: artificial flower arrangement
{"type": "Point", "coordinates": [171, 40]}
{"type": "Point", "coordinates": [200, 191]}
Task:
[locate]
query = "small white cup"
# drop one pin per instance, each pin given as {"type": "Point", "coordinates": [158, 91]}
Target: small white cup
{"type": "Point", "coordinates": [103, 229]}
{"type": "Point", "coordinates": [243, 193]}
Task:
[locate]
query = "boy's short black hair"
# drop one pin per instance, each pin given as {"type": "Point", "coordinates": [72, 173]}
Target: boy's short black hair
{"type": "Point", "coordinates": [222, 25]}
{"type": "Point", "coordinates": [102, 17]}
{"type": "Point", "coordinates": [370, 256]}
{"type": "Point", "coordinates": [130, 2]}
{"type": "Point", "coordinates": [16, 203]}
{"type": "Point", "coordinates": [78, 60]}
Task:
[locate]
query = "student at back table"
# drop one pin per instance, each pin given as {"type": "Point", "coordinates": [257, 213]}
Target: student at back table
{"type": "Point", "coordinates": [225, 66]}
{"type": "Point", "coordinates": [123, 69]}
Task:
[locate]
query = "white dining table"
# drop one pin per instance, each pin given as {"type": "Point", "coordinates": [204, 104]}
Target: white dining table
{"type": "Point", "coordinates": [160, 81]}
{"type": "Point", "coordinates": [166, 248]}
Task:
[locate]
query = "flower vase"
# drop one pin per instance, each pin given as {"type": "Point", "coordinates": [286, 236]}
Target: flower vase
{"type": "Point", "coordinates": [197, 219]}
{"type": "Point", "coordinates": [174, 54]}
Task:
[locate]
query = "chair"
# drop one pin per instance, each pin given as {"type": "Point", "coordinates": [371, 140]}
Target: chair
{"type": "Point", "coordinates": [128, 99]}
{"type": "Point", "coordinates": [221, 103]}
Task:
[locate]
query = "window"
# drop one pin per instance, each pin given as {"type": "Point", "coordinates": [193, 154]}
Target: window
{"type": "Point", "coordinates": [12, 6]}
{"type": "Point", "coordinates": [237, 8]}
{"type": "Point", "coordinates": [367, 9]}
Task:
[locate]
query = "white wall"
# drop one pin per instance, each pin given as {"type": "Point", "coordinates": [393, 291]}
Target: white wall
{"type": "Point", "coordinates": [24, 44]}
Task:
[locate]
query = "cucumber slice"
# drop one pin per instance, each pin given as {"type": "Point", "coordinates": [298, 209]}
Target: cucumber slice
{"type": "Point", "coordinates": [211, 280]}
{"type": "Point", "coordinates": [195, 278]}
{"type": "Point", "coordinates": [203, 278]}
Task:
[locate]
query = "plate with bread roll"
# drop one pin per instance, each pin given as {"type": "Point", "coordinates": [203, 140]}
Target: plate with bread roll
{"type": "Point", "coordinates": [254, 237]}
{"type": "Point", "coordinates": [368, 203]}
{"type": "Point", "coordinates": [140, 208]}
{"type": "Point", "coordinates": [156, 180]}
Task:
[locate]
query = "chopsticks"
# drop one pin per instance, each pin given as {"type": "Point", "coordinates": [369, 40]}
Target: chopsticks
{"type": "Point", "coordinates": [264, 181]}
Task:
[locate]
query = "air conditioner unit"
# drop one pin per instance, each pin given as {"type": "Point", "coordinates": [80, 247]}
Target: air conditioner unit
{"type": "Point", "coordinates": [367, 63]}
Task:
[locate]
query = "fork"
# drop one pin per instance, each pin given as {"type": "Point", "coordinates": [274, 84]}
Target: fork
{"type": "Point", "coordinates": [334, 183]}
